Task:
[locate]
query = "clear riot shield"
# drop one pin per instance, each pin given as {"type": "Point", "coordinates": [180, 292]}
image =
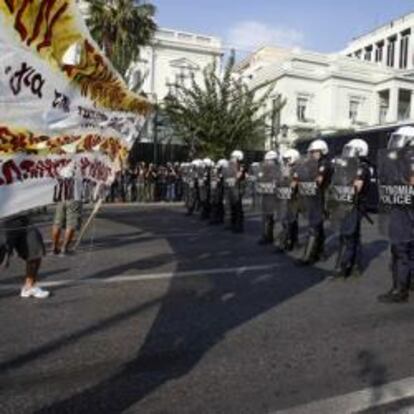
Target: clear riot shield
{"type": "Point", "coordinates": [266, 187]}
{"type": "Point", "coordinates": [396, 194]}
{"type": "Point", "coordinates": [190, 192]}
{"type": "Point", "coordinates": [341, 194]}
{"type": "Point", "coordinates": [309, 196]}
{"type": "Point", "coordinates": [202, 183]}
{"type": "Point", "coordinates": [215, 185]}
{"type": "Point", "coordinates": [287, 206]}
{"type": "Point", "coordinates": [231, 187]}
{"type": "Point", "coordinates": [253, 175]}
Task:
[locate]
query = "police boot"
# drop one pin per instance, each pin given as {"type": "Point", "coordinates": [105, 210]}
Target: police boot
{"type": "Point", "coordinates": [394, 296]}
{"type": "Point", "coordinates": [311, 252]}
{"type": "Point", "coordinates": [282, 238]}
{"type": "Point", "coordinates": [292, 236]}
{"type": "Point", "coordinates": [339, 269]}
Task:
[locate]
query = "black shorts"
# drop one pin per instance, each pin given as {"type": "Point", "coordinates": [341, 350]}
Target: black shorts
{"type": "Point", "coordinates": [22, 237]}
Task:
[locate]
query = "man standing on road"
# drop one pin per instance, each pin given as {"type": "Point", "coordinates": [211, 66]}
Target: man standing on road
{"type": "Point", "coordinates": [313, 178]}
{"type": "Point", "coordinates": [237, 191]}
{"type": "Point", "coordinates": [396, 185]}
{"type": "Point", "coordinates": [287, 203]}
{"type": "Point", "coordinates": [349, 191]}
{"type": "Point", "coordinates": [68, 213]}
{"type": "Point", "coordinates": [266, 189]}
{"type": "Point", "coordinates": [217, 192]}
{"type": "Point", "coordinates": [21, 236]}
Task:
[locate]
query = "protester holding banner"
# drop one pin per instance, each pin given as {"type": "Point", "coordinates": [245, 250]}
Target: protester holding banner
{"type": "Point", "coordinates": [63, 106]}
{"type": "Point", "coordinates": [24, 239]}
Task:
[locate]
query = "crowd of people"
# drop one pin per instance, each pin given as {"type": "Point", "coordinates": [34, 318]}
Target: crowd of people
{"type": "Point", "coordinates": [147, 183]}
{"type": "Point", "coordinates": [318, 188]}
{"type": "Point", "coordinates": [285, 187]}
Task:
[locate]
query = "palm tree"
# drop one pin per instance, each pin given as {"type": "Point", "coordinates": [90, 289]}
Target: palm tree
{"type": "Point", "coordinates": [120, 27]}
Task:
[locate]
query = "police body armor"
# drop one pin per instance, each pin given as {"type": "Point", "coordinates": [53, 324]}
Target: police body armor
{"type": "Point", "coordinates": [191, 187]}
{"type": "Point", "coordinates": [185, 178]}
{"type": "Point", "coordinates": [286, 197]}
{"type": "Point", "coordinates": [341, 197]}
{"type": "Point", "coordinates": [233, 191]}
{"type": "Point", "coordinates": [253, 175]}
{"type": "Point", "coordinates": [266, 187]}
{"type": "Point", "coordinates": [396, 194]}
{"type": "Point", "coordinates": [202, 182]}
{"type": "Point", "coordinates": [216, 186]}
{"type": "Point", "coordinates": [311, 197]}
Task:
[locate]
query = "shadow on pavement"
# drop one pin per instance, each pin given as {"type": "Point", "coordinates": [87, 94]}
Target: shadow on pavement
{"type": "Point", "coordinates": [193, 318]}
{"type": "Point", "coordinates": [376, 374]}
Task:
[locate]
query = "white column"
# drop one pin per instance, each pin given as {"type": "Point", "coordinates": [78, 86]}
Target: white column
{"type": "Point", "coordinates": [153, 69]}
{"type": "Point", "coordinates": [410, 64]}
{"type": "Point", "coordinates": [412, 106]}
{"type": "Point", "coordinates": [392, 115]}
{"type": "Point", "coordinates": [384, 53]}
{"type": "Point", "coordinates": [397, 52]}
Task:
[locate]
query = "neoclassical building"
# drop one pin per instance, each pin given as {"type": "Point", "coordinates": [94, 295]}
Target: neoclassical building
{"type": "Point", "coordinates": [389, 45]}
{"type": "Point", "coordinates": [342, 91]}
{"type": "Point", "coordinates": [173, 57]}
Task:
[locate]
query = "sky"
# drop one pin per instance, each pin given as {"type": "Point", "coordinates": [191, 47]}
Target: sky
{"type": "Point", "coordinates": [318, 25]}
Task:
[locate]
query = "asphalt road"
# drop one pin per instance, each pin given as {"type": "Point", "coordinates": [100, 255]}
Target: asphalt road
{"type": "Point", "coordinates": [159, 313]}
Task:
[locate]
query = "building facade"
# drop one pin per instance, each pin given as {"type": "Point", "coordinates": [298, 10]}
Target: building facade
{"type": "Point", "coordinates": [326, 93]}
{"type": "Point", "coordinates": [174, 57]}
{"type": "Point", "coordinates": [390, 45]}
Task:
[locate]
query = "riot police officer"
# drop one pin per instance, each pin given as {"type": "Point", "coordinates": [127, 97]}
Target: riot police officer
{"type": "Point", "coordinates": [192, 199]}
{"type": "Point", "coordinates": [204, 188]}
{"type": "Point", "coordinates": [313, 178]}
{"type": "Point", "coordinates": [396, 186]}
{"type": "Point", "coordinates": [217, 192]}
{"type": "Point", "coordinates": [237, 192]}
{"type": "Point", "coordinates": [287, 202]}
{"type": "Point", "coordinates": [349, 191]}
{"type": "Point", "coordinates": [266, 188]}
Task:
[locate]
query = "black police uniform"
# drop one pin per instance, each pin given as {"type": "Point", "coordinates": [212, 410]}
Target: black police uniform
{"type": "Point", "coordinates": [217, 199]}
{"type": "Point", "coordinates": [316, 214]}
{"type": "Point", "coordinates": [205, 202]}
{"type": "Point", "coordinates": [350, 229]}
{"type": "Point", "coordinates": [236, 208]}
{"type": "Point", "coordinates": [401, 233]}
{"type": "Point", "coordinates": [288, 212]}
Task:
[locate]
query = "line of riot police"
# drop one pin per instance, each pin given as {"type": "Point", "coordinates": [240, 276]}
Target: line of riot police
{"type": "Point", "coordinates": [214, 189]}
{"type": "Point", "coordinates": [287, 185]}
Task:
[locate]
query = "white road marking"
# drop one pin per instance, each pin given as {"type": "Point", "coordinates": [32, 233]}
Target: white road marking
{"type": "Point", "coordinates": [358, 401]}
{"type": "Point", "coordinates": [151, 276]}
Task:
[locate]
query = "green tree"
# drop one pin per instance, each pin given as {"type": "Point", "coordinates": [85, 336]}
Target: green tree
{"type": "Point", "coordinates": [120, 27]}
{"type": "Point", "coordinates": [221, 113]}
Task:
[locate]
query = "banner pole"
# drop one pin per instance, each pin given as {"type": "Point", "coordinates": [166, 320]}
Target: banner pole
{"type": "Point", "coordinates": [88, 222]}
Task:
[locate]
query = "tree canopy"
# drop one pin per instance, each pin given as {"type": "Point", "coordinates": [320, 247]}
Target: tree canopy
{"type": "Point", "coordinates": [221, 113]}
{"type": "Point", "coordinates": [120, 27]}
